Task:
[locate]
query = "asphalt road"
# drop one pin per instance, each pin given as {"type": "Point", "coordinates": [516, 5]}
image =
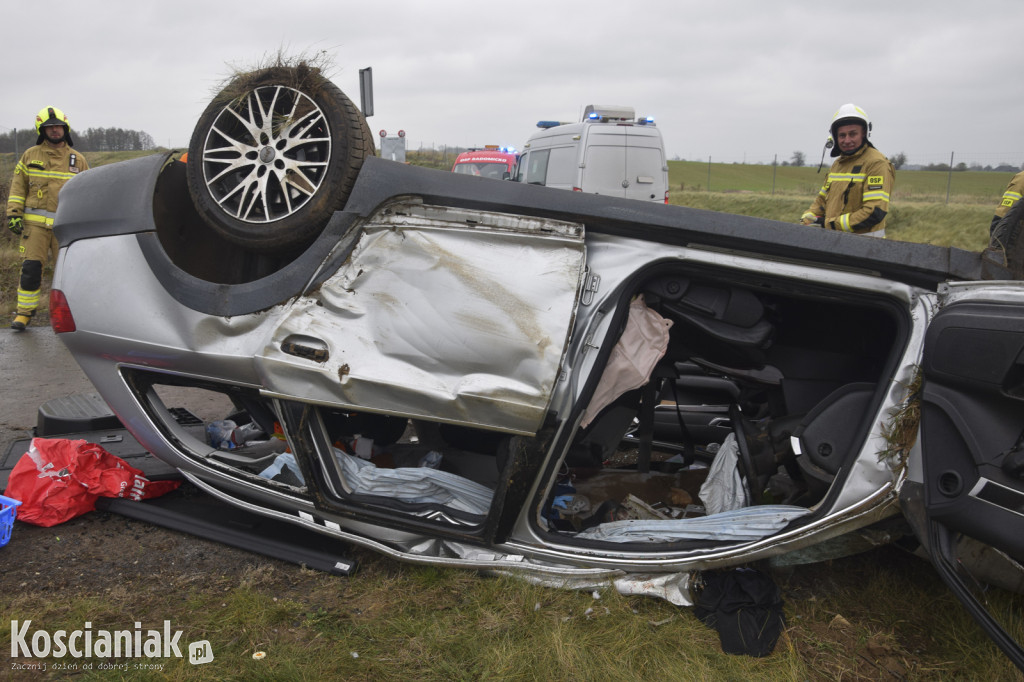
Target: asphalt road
{"type": "Point", "coordinates": [35, 367]}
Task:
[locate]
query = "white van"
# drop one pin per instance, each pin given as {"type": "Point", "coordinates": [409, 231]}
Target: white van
{"type": "Point", "coordinates": [609, 152]}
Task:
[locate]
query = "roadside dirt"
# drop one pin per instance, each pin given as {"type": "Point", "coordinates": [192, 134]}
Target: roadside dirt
{"type": "Point", "coordinates": [92, 552]}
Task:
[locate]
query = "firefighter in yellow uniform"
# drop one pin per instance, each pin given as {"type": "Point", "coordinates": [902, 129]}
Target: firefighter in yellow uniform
{"type": "Point", "coordinates": [1004, 246]}
{"type": "Point", "coordinates": [32, 203]}
{"type": "Point", "coordinates": [1011, 196]}
{"type": "Point", "coordinates": [855, 196]}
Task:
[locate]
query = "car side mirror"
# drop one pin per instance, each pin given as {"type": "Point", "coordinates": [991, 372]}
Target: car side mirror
{"type": "Point", "coordinates": [506, 175]}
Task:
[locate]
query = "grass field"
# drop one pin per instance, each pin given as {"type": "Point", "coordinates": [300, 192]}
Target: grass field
{"type": "Point", "coordinates": [919, 211]}
{"type": "Point", "coordinates": [399, 622]}
{"type": "Point", "coordinates": [967, 187]}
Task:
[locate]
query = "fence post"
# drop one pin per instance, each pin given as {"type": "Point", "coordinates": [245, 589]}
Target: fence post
{"type": "Point", "coordinates": [709, 172]}
{"type": "Point", "coordinates": [949, 178]}
{"type": "Point", "coordinates": [775, 169]}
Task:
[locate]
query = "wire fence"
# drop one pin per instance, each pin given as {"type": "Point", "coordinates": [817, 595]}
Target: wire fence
{"type": "Point", "coordinates": [988, 161]}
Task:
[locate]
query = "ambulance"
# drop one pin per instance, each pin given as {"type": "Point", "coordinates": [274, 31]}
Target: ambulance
{"type": "Point", "coordinates": [490, 162]}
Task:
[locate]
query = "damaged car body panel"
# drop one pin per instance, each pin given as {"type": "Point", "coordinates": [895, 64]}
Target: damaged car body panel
{"type": "Point", "coordinates": [425, 320]}
{"type": "Point", "coordinates": [431, 376]}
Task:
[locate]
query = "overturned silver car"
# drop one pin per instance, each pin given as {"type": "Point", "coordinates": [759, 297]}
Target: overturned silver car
{"type": "Point", "coordinates": [578, 389]}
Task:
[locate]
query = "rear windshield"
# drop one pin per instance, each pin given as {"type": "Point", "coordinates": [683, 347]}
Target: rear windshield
{"type": "Point", "coordinates": [483, 169]}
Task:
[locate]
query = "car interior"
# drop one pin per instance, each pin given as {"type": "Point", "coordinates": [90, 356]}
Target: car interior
{"type": "Point", "coordinates": [790, 377]}
{"type": "Point", "coordinates": [783, 376]}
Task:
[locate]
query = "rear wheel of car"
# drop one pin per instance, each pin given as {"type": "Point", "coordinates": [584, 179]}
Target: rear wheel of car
{"type": "Point", "coordinates": [274, 156]}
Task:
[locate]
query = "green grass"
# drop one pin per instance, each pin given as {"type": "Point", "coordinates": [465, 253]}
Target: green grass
{"type": "Point", "coordinates": [964, 226]}
{"type": "Point", "coordinates": [398, 622]}
{"type": "Point", "coordinates": [968, 187]}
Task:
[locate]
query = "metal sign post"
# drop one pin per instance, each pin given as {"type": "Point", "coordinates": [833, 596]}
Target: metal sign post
{"type": "Point", "coordinates": [366, 91]}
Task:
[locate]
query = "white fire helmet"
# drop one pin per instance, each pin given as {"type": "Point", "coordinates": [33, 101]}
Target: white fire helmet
{"type": "Point", "coordinates": [847, 114]}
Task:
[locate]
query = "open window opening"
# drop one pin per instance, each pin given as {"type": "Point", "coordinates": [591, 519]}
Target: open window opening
{"type": "Point", "coordinates": [341, 458]}
{"type": "Point", "coordinates": [229, 429]}
{"type": "Point", "coordinates": [418, 468]}
{"type": "Point", "coordinates": [762, 397]}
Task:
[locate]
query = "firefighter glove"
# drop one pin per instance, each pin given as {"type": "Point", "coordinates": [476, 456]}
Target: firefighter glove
{"type": "Point", "coordinates": [14, 223]}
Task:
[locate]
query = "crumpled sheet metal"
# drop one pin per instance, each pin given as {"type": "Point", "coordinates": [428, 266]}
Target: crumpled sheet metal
{"type": "Point", "coordinates": [465, 326]}
{"type": "Point", "coordinates": [672, 587]}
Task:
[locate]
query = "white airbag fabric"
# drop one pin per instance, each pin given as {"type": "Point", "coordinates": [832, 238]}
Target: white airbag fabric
{"type": "Point", "coordinates": [414, 484]}
{"type": "Point", "coordinates": [643, 342]}
{"type": "Point", "coordinates": [723, 489]}
{"type": "Point", "coordinates": [752, 523]}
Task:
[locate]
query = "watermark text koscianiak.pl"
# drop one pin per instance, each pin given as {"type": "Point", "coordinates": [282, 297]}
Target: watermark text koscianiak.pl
{"type": "Point", "coordinates": [87, 643]}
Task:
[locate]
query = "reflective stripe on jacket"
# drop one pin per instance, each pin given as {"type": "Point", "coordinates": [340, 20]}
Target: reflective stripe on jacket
{"type": "Point", "coordinates": [38, 177]}
{"type": "Point", "coordinates": [1010, 197]}
{"type": "Point", "coordinates": [856, 193]}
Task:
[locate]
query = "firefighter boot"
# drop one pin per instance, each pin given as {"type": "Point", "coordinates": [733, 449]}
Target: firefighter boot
{"type": "Point", "coordinates": [21, 321]}
{"type": "Point", "coordinates": [28, 293]}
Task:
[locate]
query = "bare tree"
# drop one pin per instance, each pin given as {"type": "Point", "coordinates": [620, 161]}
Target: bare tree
{"type": "Point", "coordinates": [113, 140]}
{"type": "Point", "coordinates": [899, 160]}
{"type": "Point", "coordinates": [797, 159]}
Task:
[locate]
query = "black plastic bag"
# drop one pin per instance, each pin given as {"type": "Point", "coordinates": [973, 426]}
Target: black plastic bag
{"type": "Point", "coordinates": [745, 606]}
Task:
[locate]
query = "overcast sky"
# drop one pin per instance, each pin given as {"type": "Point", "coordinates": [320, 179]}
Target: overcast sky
{"type": "Point", "coordinates": [739, 80]}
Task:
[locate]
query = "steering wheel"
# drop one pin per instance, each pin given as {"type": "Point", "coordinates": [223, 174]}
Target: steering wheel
{"type": "Point", "coordinates": [746, 459]}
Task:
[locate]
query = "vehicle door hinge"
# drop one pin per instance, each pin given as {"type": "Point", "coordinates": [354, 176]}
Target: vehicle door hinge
{"type": "Point", "coordinates": [588, 342]}
{"type": "Point", "coordinates": [591, 283]}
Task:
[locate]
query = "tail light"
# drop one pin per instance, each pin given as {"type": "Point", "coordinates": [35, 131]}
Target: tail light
{"type": "Point", "coordinates": [577, 189]}
{"type": "Point", "coordinates": [666, 196]}
{"type": "Point", "coordinates": [60, 313]}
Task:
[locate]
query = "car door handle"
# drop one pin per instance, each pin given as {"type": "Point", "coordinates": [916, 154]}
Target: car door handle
{"type": "Point", "coordinates": [307, 347]}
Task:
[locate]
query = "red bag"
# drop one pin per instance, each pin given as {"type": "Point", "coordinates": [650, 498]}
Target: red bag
{"type": "Point", "coordinates": [59, 479]}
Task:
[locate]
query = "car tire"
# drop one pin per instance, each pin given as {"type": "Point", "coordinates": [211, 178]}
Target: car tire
{"type": "Point", "coordinates": [274, 155]}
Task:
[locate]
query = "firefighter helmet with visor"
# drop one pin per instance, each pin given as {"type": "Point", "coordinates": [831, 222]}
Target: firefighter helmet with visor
{"type": "Point", "coordinates": [52, 116]}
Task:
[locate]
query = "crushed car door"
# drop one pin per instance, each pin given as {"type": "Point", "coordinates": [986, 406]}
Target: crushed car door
{"type": "Point", "coordinates": [452, 315]}
{"type": "Point", "coordinates": [972, 439]}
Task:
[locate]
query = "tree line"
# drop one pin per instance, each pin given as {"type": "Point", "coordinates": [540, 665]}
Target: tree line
{"type": "Point", "coordinates": [899, 160]}
{"type": "Point", "coordinates": [88, 140]}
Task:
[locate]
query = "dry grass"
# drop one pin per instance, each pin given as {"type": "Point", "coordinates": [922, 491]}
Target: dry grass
{"type": "Point", "coordinates": [882, 615]}
{"type": "Point", "coordinates": [900, 431]}
{"type": "Point", "coordinates": [305, 72]}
